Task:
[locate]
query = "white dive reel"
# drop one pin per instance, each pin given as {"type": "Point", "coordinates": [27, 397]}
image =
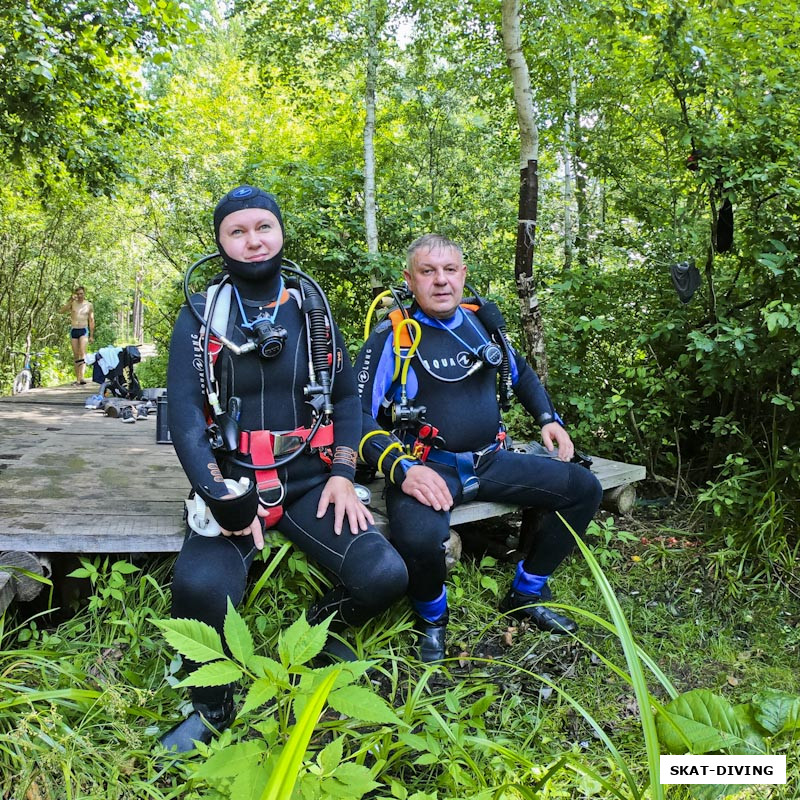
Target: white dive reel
{"type": "Point", "coordinates": [198, 514]}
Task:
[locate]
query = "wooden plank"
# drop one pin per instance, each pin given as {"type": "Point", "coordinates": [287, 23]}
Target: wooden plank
{"type": "Point", "coordinates": [73, 480]}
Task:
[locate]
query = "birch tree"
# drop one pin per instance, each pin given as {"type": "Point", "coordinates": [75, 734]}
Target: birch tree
{"type": "Point", "coordinates": [530, 312]}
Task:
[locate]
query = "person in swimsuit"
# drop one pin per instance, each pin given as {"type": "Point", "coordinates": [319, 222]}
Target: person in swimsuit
{"type": "Point", "coordinates": [81, 313]}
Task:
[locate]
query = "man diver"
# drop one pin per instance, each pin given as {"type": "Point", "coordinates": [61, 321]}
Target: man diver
{"type": "Point", "coordinates": [433, 426]}
{"type": "Point", "coordinates": [266, 444]}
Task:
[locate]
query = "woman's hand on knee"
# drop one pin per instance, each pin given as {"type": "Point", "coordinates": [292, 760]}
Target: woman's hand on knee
{"type": "Point", "coordinates": [342, 494]}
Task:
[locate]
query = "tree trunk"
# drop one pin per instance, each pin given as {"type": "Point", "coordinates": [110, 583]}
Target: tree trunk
{"type": "Point", "coordinates": [530, 313]}
{"type": "Point", "coordinates": [569, 239]}
{"type": "Point", "coordinates": [370, 204]}
{"type": "Point", "coordinates": [138, 311]}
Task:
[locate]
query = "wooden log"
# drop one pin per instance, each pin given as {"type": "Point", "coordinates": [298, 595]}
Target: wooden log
{"type": "Point", "coordinates": [620, 499]}
{"type": "Point", "coordinates": [17, 563]}
{"type": "Point", "coordinates": [6, 590]}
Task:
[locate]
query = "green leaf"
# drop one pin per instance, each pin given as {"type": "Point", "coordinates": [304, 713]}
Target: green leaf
{"type": "Point", "coordinates": [265, 667]}
{"type": "Point", "coordinates": [261, 692]}
{"type": "Point", "coordinates": [284, 776]}
{"type": "Point", "coordinates": [331, 756]}
{"type": "Point", "coordinates": [480, 707]}
{"type": "Point", "coordinates": [350, 781]}
{"type": "Point", "coordinates": [750, 730]}
{"type": "Point", "coordinates": [363, 704]}
{"type": "Point", "coordinates": [193, 639]}
{"type": "Point", "coordinates": [81, 572]}
{"type": "Point", "coordinates": [217, 673]}
{"type": "Point", "coordinates": [237, 635]}
{"type": "Point", "coordinates": [714, 791]}
{"type": "Point", "coordinates": [778, 712]}
{"type": "Point", "coordinates": [124, 567]}
{"type": "Point", "coordinates": [232, 760]}
{"type": "Point", "coordinates": [698, 722]}
{"type": "Point", "coordinates": [301, 642]}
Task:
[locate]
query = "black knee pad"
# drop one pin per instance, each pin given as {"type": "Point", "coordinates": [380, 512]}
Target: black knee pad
{"type": "Point", "coordinates": [373, 573]}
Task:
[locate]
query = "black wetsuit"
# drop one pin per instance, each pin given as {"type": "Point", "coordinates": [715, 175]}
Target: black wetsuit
{"type": "Point", "coordinates": [465, 409]}
{"type": "Point", "coordinates": [369, 572]}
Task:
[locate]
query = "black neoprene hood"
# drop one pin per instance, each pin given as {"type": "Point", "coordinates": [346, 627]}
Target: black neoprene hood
{"type": "Point", "coordinates": [245, 197]}
{"type": "Point", "coordinates": [238, 199]}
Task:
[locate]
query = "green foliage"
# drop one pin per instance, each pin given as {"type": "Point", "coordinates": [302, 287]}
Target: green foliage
{"type": "Point", "coordinates": [84, 699]}
{"type": "Point", "coordinates": [71, 85]}
{"type": "Point", "coordinates": [700, 722]}
{"type": "Point", "coordinates": [279, 690]}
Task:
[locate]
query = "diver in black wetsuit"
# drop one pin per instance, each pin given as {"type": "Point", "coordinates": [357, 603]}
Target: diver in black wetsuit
{"type": "Point", "coordinates": [229, 409]}
{"type": "Point", "coordinates": [439, 440]}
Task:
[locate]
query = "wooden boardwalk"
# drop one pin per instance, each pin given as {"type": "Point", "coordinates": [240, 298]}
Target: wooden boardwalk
{"type": "Point", "coordinates": [73, 480]}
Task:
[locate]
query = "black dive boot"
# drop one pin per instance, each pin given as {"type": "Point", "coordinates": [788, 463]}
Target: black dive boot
{"type": "Point", "coordinates": [525, 607]}
{"type": "Point", "coordinates": [202, 725]}
{"type": "Point", "coordinates": [432, 639]}
{"type": "Point", "coordinates": [334, 650]}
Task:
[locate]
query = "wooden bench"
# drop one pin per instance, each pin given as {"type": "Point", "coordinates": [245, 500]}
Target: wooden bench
{"type": "Point", "coordinates": [73, 480]}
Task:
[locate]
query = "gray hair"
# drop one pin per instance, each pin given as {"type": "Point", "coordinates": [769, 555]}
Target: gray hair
{"type": "Point", "coordinates": [430, 241]}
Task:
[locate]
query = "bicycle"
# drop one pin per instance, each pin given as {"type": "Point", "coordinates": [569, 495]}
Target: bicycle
{"type": "Point", "coordinates": [30, 376]}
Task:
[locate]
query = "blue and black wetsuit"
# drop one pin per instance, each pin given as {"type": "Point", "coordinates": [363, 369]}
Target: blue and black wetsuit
{"type": "Point", "coordinates": [370, 574]}
{"type": "Point", "coordinates": [463, 406]}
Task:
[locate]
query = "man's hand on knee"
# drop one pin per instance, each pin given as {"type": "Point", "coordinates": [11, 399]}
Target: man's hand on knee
{"type": "Point", "coordinates": [554, 435]}
{"type": "Point", "coordinates": [428, 487]}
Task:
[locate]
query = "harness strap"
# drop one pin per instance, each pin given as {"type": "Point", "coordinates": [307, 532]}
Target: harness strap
{"type": "Point", "coordinates": [464, 463]}
{"type": "Point", "coordinates": [285, 442]}
{"type": "Point", "coordinates": [270, 490]}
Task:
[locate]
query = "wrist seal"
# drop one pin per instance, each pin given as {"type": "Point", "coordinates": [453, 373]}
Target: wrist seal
{"type": "Point", "coordinates": [236, 513]}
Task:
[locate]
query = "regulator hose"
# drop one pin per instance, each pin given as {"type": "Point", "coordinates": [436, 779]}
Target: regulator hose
{"type": "Point", "coordinates": [321, 335]}
{"type": "Point", "coordinates": [492, 319]}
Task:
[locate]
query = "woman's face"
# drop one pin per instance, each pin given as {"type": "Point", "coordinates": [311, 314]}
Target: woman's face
{"type": "Point", "coordinates": [251, 235]}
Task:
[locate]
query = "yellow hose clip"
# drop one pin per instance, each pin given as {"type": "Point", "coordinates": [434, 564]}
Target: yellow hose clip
{"type": "Point", "coordinates": [364, 441]}
{"type": "Point", "coordinates": [392, 446]}
{"type": "Point", "coordinates": [404, 457]}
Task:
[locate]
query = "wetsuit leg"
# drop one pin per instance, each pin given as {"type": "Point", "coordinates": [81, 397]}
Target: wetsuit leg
{"type": "Point", "coordinates": [207, 572]}
{"type": "Point", "coordinates": [546, 484]}
{"type": "Point", "coordinates": [372, 574]}
{"type": "Point", "coordinates": [420, 533]}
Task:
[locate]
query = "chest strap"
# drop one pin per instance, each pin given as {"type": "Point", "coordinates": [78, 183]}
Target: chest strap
{"type": "Point", "coordinates": [263, 447]}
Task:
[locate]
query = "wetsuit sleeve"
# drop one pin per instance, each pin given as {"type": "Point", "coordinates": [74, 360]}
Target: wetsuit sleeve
{"type": "Point", "coordinates": [346, 414]}
{"type": "Point", "coordinates": [187, 423]}
{"type": "Point", "coordinates": [530, 391]}
{"type": "Point", "coordinates": [379, 448]}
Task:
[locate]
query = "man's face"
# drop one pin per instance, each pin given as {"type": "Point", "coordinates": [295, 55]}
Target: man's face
{"type": "Point", "coordinates": [252, 234]}
{"type": "Point", "coordinates": [80, 295]}
{"type": "Point", "coordinates": [437, 280]}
